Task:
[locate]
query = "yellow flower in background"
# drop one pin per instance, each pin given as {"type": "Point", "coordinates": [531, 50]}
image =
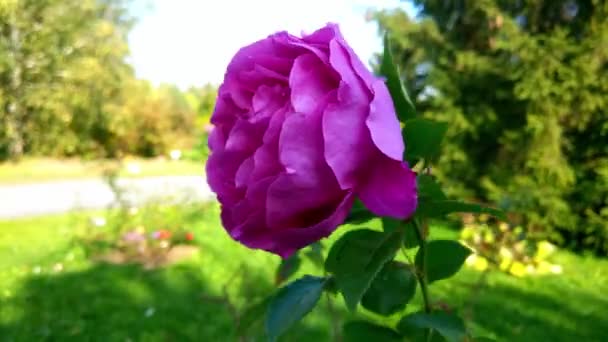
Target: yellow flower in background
{"type": "Point", "coordinates": [544, 250]}
{"type": "Point", "coordinates": [557, 269]}
{"type": "Point", "coordinates": [467, 232]}
{"type": "Point", "coordinates": [530, 269]}
{"type": "Point", "coordinates": [477, 262]}
{"type": "Point", "coordinates": [544, 268]}
{"type": "Point", "coordinates": [518, 269]}
{"type": "Point", "coordinates": [488, 237]}
{"type": "Point", "coordinates": [505, 254]}
{"type": "Point", "coordinates": [504, 264]}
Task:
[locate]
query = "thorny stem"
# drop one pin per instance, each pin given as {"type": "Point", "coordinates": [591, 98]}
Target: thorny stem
{"type": "Point", "coordinates": [422, 276]}
{"type": "Point", "coordinates": [335, 326]}
{"type": "Point", "coordinates": [422, 271]}
{"type": "Point", "coordinates": [406, 255]}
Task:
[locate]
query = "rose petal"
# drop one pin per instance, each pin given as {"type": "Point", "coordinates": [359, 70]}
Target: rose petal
{"type": "Point", "coordinates": [267, 100]}
{"type": "Point", "coordinates": [340, 61]}
{"type": "Point", "coordinates": [246, 136]}
{"type": "Point", "coordinates": [260, 76]}
{"type": "Point", "coordinates": [360, 69]}
{"type": "Point", "coordinates": [296, 199]}
{"type": "Point", "coordinates": [348, 145]}
{"type": "Point", "coordinates": [243, 174]}
{"type": "Point", "coordinates": [266, 158]}
{"type": "Point", "coordinates": [249, 205]}
{"type": "Point", "coordinates": [310, 81]}
{"type": "Point", "coordinates": [383, 123]}
{"type": "Point", "coordinates": [225, 112]}
{"type": "Point", "coordinates": [301, 144]}
{"type": "Point", "coordinates": [323, 35]}
{"type": "Point", "coordinates": [221, 168]}
{"type": "Point", "coordinates": [308, 182]}
{"type": "Point", "coordinates": [217, 140]}
{"type": "Point", "coordinates": [285, 242]}
{"type": "Point", "coordinates": [390, 189]}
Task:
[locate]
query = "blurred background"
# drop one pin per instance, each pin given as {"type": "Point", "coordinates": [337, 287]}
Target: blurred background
{"type": "Point", "coordinates": [108, 230]}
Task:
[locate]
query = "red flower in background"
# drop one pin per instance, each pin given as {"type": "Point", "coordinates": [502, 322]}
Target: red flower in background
{"type": "Point", "coordinates": [189, 236]}
{"type": "Point", "coordinates": [164, 234]}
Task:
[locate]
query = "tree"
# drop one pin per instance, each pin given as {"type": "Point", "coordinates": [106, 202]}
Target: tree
{"type": "Point", "coordinates": [62, 63]}
{"type": "Point", "coordinates": [523, 86]}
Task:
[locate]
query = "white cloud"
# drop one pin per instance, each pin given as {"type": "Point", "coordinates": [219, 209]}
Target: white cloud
{"type": "Point", "coordinates": [190, 42]}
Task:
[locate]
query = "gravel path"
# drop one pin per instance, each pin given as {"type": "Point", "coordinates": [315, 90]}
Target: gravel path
{"type": "Point", "coordinates": [22, 200]}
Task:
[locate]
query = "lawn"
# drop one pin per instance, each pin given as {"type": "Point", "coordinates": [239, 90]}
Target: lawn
{"type": "Point", "coordinates": [31, 170]}
{"type": "Point", "coordinates": [50, 291]}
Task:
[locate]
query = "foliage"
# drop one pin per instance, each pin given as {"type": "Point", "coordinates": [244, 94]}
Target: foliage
{"type": "Point", "coordinates": [66, 88]}
{"type": "Point", "coordinates": [522, 84]}
{"type": "Point", "coordinates": [506, 247]}
{"type": "Point", "coordinates": [59, 63]}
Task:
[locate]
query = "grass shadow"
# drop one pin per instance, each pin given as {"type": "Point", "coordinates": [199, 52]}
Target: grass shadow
{"type": "Point", "coordinates": [126, 303]}
{"type": "Point", "coordinates": [534, 309]}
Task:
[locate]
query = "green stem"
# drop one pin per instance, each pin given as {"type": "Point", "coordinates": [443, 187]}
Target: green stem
{"type": "Point", "coordinates": [335, 324]}
{"type": "Point", "coordinates": [422, 278]}
{"type": "Point", "coordinates": [422, 271]}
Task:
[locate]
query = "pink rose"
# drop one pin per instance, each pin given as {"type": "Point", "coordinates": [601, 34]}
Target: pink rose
{"type": "Point", "coordinates": [302, 128]}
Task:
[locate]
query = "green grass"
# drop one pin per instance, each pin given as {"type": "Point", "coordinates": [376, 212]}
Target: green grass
{"type": "Point", "coordinates": [95, 302]}
{"type": "Point", "coordinates": [44, 169]}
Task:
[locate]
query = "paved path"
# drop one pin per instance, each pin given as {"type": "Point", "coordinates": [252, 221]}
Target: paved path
{"type": "Point", "coordinates": [21, 200]}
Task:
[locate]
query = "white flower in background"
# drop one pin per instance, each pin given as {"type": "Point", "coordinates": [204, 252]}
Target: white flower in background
{"type": "Point", "coordinates": [36, 270]}
{"type": "Point", "coordinates": [133, 211]}
{"type": "Point", "coordinates": [98, 221]}
{"type": "Point", "coordinates": [133, 168]}
{"type": "Point", "coordinates": [58, 267]}
{"type": "Point", "coordinates": [505, 254]}
{"type": "Point", "coordinates": [477, 262]}
{"type": "Point", "coordinates": [530, 269]}
{"type": "Point", "coordinates": [545, 249]}
{"type": "Point", "coordinates": [557, 269]}
{"type": "Point", "coordinates": [149, 312]}
{"type": "Point", "coordinates": [164, 244]}
{"type": "Point", "coordinates": [175, 154]}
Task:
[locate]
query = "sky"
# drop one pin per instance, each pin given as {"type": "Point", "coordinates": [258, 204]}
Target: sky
{"type": "Point", "coordinates": [190, 42]}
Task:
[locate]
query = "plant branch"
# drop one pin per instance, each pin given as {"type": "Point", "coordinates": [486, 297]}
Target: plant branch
{"type": "Point", "coordinates": [422, 278]}
{"type": "Point", "coordinates": [335, 324]}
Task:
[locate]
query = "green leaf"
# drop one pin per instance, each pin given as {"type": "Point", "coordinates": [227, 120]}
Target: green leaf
{"type": "Point", "coordinates": [361, 331]}
{"type": "Point", "coordinates": [417, 334]}
{"type": "Point", "coordinates": [392, 289]}
{"type": "Point", "coordinates": [287, 268]}
{"type": "Point", "coordinates": [357, 257]}
{"type": "Point", "coordinates": [440, 208]}
{"type": "Point", "coordinates": [359, 214]}
{"type": "Point", "coordinates": [449, 326]}
{"type": "Point", "coordinates": [423, 138]}
{"type": "Point", "coordinates": [428, 188]}
{"type": "Point", "coordinates": [401, 100]}
{"type": "Point", "coordinates": [410, 240]}
{"type": "Point", "coordinates": [389, 225]}
{"type": "Point", "coordinates": [292, 303]}
{"type": "Point", "coordinates": [407, 228]}
{"type": "Point", "coordinates": [252, 315]}
{"type": "Point", "coordinates": [444, 258]}
{"type": "Point", "coordinates": [315, 254]}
